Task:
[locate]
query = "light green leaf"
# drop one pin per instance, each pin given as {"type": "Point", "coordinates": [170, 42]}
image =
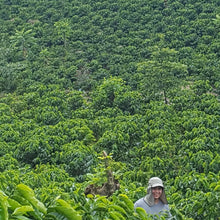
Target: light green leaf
{"type": "Point", "coordinates": [13, 204]}
{"type": "Point", "coordinates": [141, 212]}
{"type": "Point", "coordinates": [22, 218]}
{"type": "Point", "coordinates": [114, 216]}
{"type": "Point", "coordinates": [117, 208]}
{"type": "Point", "coordinates": [65, 209]}
{"type": "Point", "coordinates": [217, 188]}
{"type": "Point", "coordinates": [128, 202]}
{"type": "Point", "coordinates": [28, 194]}
{"type": "Point", "coordinates": [23, 210]}
{"type": "Point", "coordinates": [3, 206]}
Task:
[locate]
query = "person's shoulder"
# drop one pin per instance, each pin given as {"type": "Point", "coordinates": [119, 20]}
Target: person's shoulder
{"type": "Point", "coordinates": [166, 207]}
{"type": "Point", "coordinates": [139, 201]}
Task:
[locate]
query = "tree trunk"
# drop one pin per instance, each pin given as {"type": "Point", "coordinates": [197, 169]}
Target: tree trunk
{"type": "Point", "coordinates": [165, 3]}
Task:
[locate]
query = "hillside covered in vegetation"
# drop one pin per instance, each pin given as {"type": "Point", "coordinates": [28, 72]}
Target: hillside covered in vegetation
{"type": "Point", "coordinates": [137, 79]}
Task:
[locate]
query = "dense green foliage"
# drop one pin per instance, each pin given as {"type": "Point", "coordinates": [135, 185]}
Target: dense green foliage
{"type": "Point", "coordinates": [138, 79]}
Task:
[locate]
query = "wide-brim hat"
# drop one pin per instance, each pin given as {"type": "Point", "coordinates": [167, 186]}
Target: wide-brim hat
{"type": "Point", "coordinates": [154, 182]}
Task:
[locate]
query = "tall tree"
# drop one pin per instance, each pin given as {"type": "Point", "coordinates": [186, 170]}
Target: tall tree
{"type": "Point", "coordinates": [23, 39]}
{"type": "Point", "coordinates": [161, 73]}
{"type": "Point", "coordinates": [63, 30]}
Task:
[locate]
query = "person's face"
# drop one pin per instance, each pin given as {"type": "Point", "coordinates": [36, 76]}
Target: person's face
{"type": "Point", "coordinates": [157, 192]}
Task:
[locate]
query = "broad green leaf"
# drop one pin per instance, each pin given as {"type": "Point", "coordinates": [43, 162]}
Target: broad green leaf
{"type": "Point", "coordinates": [13, 204]}
{"type": "Point", "coordinates": [119, 215]}
{"type": "Point", "coordinates": [200, 211]}
{"type": "Point", "coordinates": [100, 207]}
{"type": "Point", "coordinates": [115, 216]}
{"type": "Point", "coordinates": [128, 202]}
{"type": "Point", "coordinates": [117, 208]}
{"type": "Point", "coordinates": [217, 188]}
{"type": "Point", "coordinates": [141, 213]}
{"type": "Point", "coordinates": [23, 210]}
{"type": "Point", "coordinates": [3, 206]}
{"type": "Point", "coordinates": [125, 207]}
{"type": "Point", "coordinates": [90, 196]}
{"type": "Point", "coordinates": [65, 209]}
{"type": "Point", "coordinates": [28, 194]}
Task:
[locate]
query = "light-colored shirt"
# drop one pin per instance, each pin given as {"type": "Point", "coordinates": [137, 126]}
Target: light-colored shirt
{"type": "Point", "coordinates": [157, 209]}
